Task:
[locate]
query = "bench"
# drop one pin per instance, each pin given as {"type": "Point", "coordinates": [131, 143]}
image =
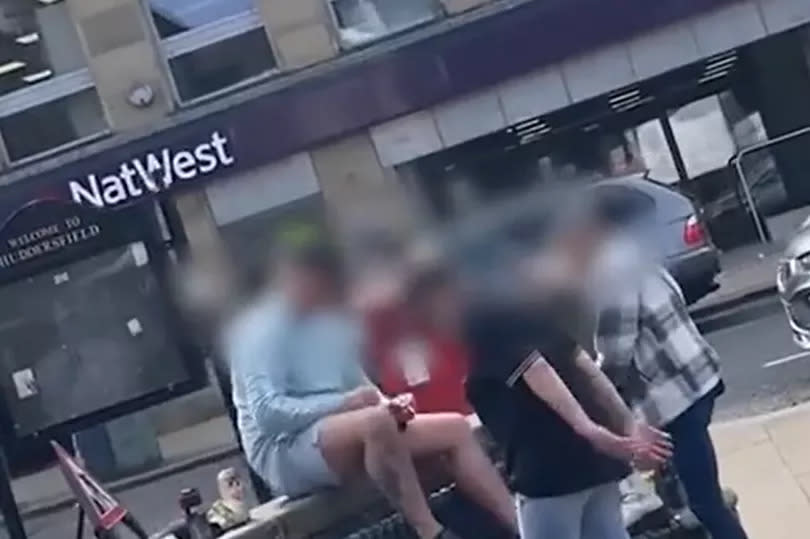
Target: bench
{"type": "Point", "coordinates": [313, 515]}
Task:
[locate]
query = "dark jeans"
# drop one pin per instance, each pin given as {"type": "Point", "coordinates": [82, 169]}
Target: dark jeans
{"type": "Point", "coordinates": [696, 463]}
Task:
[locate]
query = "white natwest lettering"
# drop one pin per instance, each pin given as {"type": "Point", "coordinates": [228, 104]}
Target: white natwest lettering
{"type": "Point", "coordinates": [153, 172]}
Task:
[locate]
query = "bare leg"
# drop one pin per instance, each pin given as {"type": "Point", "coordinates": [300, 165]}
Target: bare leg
{"type": "Point", "coordinates": [474, 473]}
{"type": "Point", "coordinates": [367, 441]}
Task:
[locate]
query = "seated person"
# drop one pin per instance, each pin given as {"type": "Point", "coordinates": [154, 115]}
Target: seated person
{"type": "Point", "coordinates": [413, 346]}
{"type": "Point", "coordinates": [310, 419]}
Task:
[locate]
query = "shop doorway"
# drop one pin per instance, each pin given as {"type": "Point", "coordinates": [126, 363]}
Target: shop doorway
{"type": "Point", "coordinates": [683, 128]}
{"type": "Point", "coordinates": [706, 134]}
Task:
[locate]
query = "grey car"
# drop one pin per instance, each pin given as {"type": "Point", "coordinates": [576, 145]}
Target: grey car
{"type": "Point", "coordinates": [666, 222]}
{"type": "Point", "coordinates": [793, 284]}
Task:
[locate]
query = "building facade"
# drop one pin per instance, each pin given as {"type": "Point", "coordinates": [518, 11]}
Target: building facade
{"type": "Point", "coordinates": [362, 110]}
{"type": "Point", "coordinates": [232, 120]}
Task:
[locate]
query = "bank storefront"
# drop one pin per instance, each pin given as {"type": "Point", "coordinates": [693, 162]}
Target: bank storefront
{"type": "Point", "coordinates": [423, 123]}
{"type": "Point", "coordinates": [90, 332]}
{"type": "Point", "coordinates": [679, 102]}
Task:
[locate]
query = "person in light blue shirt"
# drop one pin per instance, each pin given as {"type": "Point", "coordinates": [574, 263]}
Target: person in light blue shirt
{"type": "Point", "coordinates": [309, 418]}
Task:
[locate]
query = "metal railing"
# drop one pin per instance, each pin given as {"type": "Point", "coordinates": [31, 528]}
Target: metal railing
{"type": "Point", "coordinates": [737, 162]}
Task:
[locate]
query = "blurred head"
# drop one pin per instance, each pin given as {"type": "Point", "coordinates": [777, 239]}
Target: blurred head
{"type": "Point", "coordinates": [376, 275]}
{"type": "Point", "coordinates": [588, 227]}
{"type": "Point", "coordinates": [207, 288]}
{"type": "Point", "coordinates": [433, 296]}
{"type": "Point", "coordinates": [312, 276]}
{"type": "Point", "coordinates": [581, 242]}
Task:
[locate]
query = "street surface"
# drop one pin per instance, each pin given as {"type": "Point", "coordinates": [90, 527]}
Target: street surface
{"type": "Point", "coordinates": [763, 368]}
{"type": "Point", "coordinates": [764, 371]}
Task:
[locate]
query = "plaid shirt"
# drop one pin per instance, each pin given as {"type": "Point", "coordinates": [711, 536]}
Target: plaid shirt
{"type": "Point", "coordinates": [651, 349]}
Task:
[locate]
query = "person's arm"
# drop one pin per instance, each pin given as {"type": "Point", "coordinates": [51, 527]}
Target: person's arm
{"type": "Point", "coordinates": [605, 392]}
{"type": "Point", "coordinates": [497, 352]}
{"type": "Point", "coordinates": [543, 380]}
{"type": "Point", "coordinates": [646, 446]}
{"type": "Point", "coordinates": [617, 335]}
{"type": "Point", "coordinates": [259, 371]}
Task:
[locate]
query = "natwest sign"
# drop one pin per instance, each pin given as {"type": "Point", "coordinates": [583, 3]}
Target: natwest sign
{"type": "Point", "coordinates": [153, 172]}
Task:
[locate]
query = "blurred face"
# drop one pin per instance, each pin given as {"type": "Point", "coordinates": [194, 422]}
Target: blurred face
{"type": "Point", "coordinates": [580, 245]}
{"type": "Point", "coordinates": [378, 291]}
{"type": "Point", "coordinates": [308, 288]}
{"type": "Point", "coordinates": [441, 308]}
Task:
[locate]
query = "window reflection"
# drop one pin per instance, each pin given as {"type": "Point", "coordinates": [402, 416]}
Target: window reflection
{"type": "Point", "coordinates": [174, 17]}
{"type": "Point", "coordinates": [222, 64]}
{"type": "Point", "coordinates": [655, 153]}
{"type": "Point", "coordinates": [703, 136]}
{"type": "Point", "coordinates": [37, 41]}
{"type": "Point", "coordinates": [362, 21]}
{"type": "Point", "coordinates": [52, 124]}
{"type": "Point", "coordinates": [212, 45]}
{"type": "Point", "coordinates": [759, 168]}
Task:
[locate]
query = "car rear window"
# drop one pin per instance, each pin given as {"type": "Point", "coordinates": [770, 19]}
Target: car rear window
{"type": "Point", "coordinates": [624, 204]}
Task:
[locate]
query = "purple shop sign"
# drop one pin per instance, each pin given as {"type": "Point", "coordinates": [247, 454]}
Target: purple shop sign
{"type": "Point", "coordinates": [131, 173]}
{"type": "Point", "coordinates": [154, 172]}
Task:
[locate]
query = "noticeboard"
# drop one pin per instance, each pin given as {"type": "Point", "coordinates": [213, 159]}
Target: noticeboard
{"type": "Point", "coordinates": [86, 329]}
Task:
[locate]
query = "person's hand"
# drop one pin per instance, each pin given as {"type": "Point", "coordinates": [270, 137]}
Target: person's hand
{"type": "Point", "coordinates": [362, 397]}
{"type": "Point", "coordinates": [624, 448]}
{"type": "Point", "coordinates": [402, 408]}
{"type": "Point", "coordinates": [652, 446]}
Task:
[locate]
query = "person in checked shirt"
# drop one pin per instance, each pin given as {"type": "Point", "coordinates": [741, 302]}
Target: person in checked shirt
{"type": "Point", "coordinates": [652, 351]}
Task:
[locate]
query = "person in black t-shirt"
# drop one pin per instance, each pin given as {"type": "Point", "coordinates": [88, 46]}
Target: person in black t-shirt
{"type": "Point", "coordinates": [555, 415]}
{"type": "Point", "coordinates": [566, 488]}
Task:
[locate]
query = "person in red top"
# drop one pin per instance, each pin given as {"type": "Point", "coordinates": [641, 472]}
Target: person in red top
{"type": "Point", "coordinates": [430, 359]}
{"type": "Point", "coordinates": [414, 343]}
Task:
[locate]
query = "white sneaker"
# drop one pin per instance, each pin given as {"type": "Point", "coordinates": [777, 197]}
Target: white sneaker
{"type": "Point", "coordinates": [638, 499]}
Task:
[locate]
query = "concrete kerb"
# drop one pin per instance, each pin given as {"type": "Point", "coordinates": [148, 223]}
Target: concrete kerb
{"type": "Point", "coordinates": [743, 299]}
{"type": "Point", "coordinates": [736, 311]}
{"type": "Point", "coordinates": [761, 419]}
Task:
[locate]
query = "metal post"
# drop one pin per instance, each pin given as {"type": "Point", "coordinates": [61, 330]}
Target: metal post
{"type": "Point", "coordinates": [674, 150]}
{"type": "Point", "coordinates": [80, 523]}
{"type": "Point", "coordinates": [8, 505]}
{"type": "Point", "coordinates": [749, 199]}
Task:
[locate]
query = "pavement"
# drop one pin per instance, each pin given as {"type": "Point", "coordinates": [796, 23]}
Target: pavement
{"type": "Point", "coordinates": [766, 461]}
{"type": "Point", "coordinates": [194, 447]}
{"type": "Point", "coordinates": [192, 456]}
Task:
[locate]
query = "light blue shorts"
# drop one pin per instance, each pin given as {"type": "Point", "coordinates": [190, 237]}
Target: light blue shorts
{"type": "Point", "coordinates": [297, 466]}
